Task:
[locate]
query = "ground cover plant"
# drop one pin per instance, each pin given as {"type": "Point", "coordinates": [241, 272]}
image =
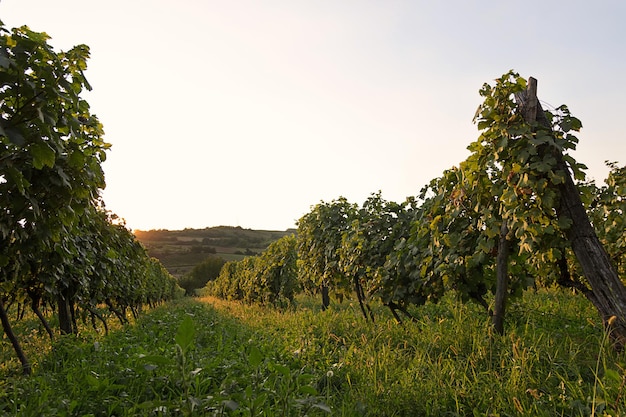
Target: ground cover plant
{"type": "Point", "coordinates": [183, 358]}
{"type": "Point", "coordinates": [555, 359]}
{"type": "Point", "coordinates": [215, 357]}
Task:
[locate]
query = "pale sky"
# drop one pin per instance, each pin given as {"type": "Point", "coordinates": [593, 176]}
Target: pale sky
{"type": "Point", "coordinates": [247, 113]}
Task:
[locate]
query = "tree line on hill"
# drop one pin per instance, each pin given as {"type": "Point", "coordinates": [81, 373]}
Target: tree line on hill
{"type": "Point", "coordinates": [220, 236]}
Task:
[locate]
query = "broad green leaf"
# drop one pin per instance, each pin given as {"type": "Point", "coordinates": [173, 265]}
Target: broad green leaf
{"type": "Point", "coordinates": [260, 400]}
{"type": "Point", "coordinates": [282, 369]}
{"type": "Point", "coordinates": [486, 245]}
{"type": "Point", "coordinates": [308, 390]}
{"type": "Point", "coordinates": [93, 381]}
{"type": "Point", "coordinates": [43, 155]}
{"type": "Point", "coordinates": [18, 179]}
{"type": "Point", "coordinates": [76, 159]}
{"type": "Point", "coordinates": [185, 334]}
{"type": "Point", "coordinates": [612, 375]}
{"type": "Point", "coordinates": [254, 356]}
{"type": "Point", "coordinates": [564, 223]}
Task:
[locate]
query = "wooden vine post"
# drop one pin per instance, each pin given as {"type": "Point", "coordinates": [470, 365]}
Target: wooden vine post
{"type": "Point", "coordinates": [607, 293]}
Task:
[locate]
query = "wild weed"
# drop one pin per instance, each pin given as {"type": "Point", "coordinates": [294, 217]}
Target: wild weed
{"type": "Point", "coordinates": [219, 358]}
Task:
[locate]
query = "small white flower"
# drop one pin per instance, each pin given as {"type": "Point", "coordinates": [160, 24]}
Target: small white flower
{"type": "Point", "coordinates": [330, 374]}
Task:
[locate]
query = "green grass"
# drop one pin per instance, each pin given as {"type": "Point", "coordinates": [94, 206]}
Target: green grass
{"type": "Point", "coordinates": [450, 362]}
{"type": "Point", "coordinates": [212, 357]}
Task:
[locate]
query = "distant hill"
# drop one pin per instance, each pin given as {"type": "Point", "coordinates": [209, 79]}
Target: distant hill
{"type": "Point", "coordinates": [180, 250]}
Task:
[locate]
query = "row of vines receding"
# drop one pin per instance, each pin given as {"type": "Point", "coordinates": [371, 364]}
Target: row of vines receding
{"type": "Point", "coordinates": [449, 236]}
{"type": "Point", "coordinates": [61, 251]}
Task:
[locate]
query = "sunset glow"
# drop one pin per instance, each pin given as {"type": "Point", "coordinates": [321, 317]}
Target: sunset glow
{"type": "Point", "coordinates": [247, 113]}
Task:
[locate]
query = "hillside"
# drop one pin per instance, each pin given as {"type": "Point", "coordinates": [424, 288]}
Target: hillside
{"type": "Point", "coordinates": [180, 250]}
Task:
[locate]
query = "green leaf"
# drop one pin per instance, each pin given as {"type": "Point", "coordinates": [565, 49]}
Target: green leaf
{"type": "Point", "coordinates": [93, 381]}
{"type": "Point", "coordinates": [282, 369]}
{"type": "Point", "coordinates": [43, 155]}
{"type": "Point", "coordinates": [564, 223]}
{"type": "Point", "coordinates": [556, 178]}
{"type": "Point", "coordinates": [486, 245]}
{"type": "Point", "coordinates": [612, 375]}
{"type": "Point", "coordinates": [254, 356]}
{"type": "Point", "coordinates": [260, 400]}
{"type": "Point", "coordinates": [185, 334]}
{"type": "Point", "coordinates": [18, 179]}
{"type": "Point", "coordinates": [308, 390]}
{"type": "Point", "coordinates": [76, 159]}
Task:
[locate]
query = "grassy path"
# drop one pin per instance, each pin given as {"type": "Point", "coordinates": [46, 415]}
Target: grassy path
{"type": "Point", "coordinates": [209, 357]}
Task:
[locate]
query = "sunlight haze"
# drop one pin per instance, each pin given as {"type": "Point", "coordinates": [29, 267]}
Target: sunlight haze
{"type": "Point", "coordinates": [246, 113]}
